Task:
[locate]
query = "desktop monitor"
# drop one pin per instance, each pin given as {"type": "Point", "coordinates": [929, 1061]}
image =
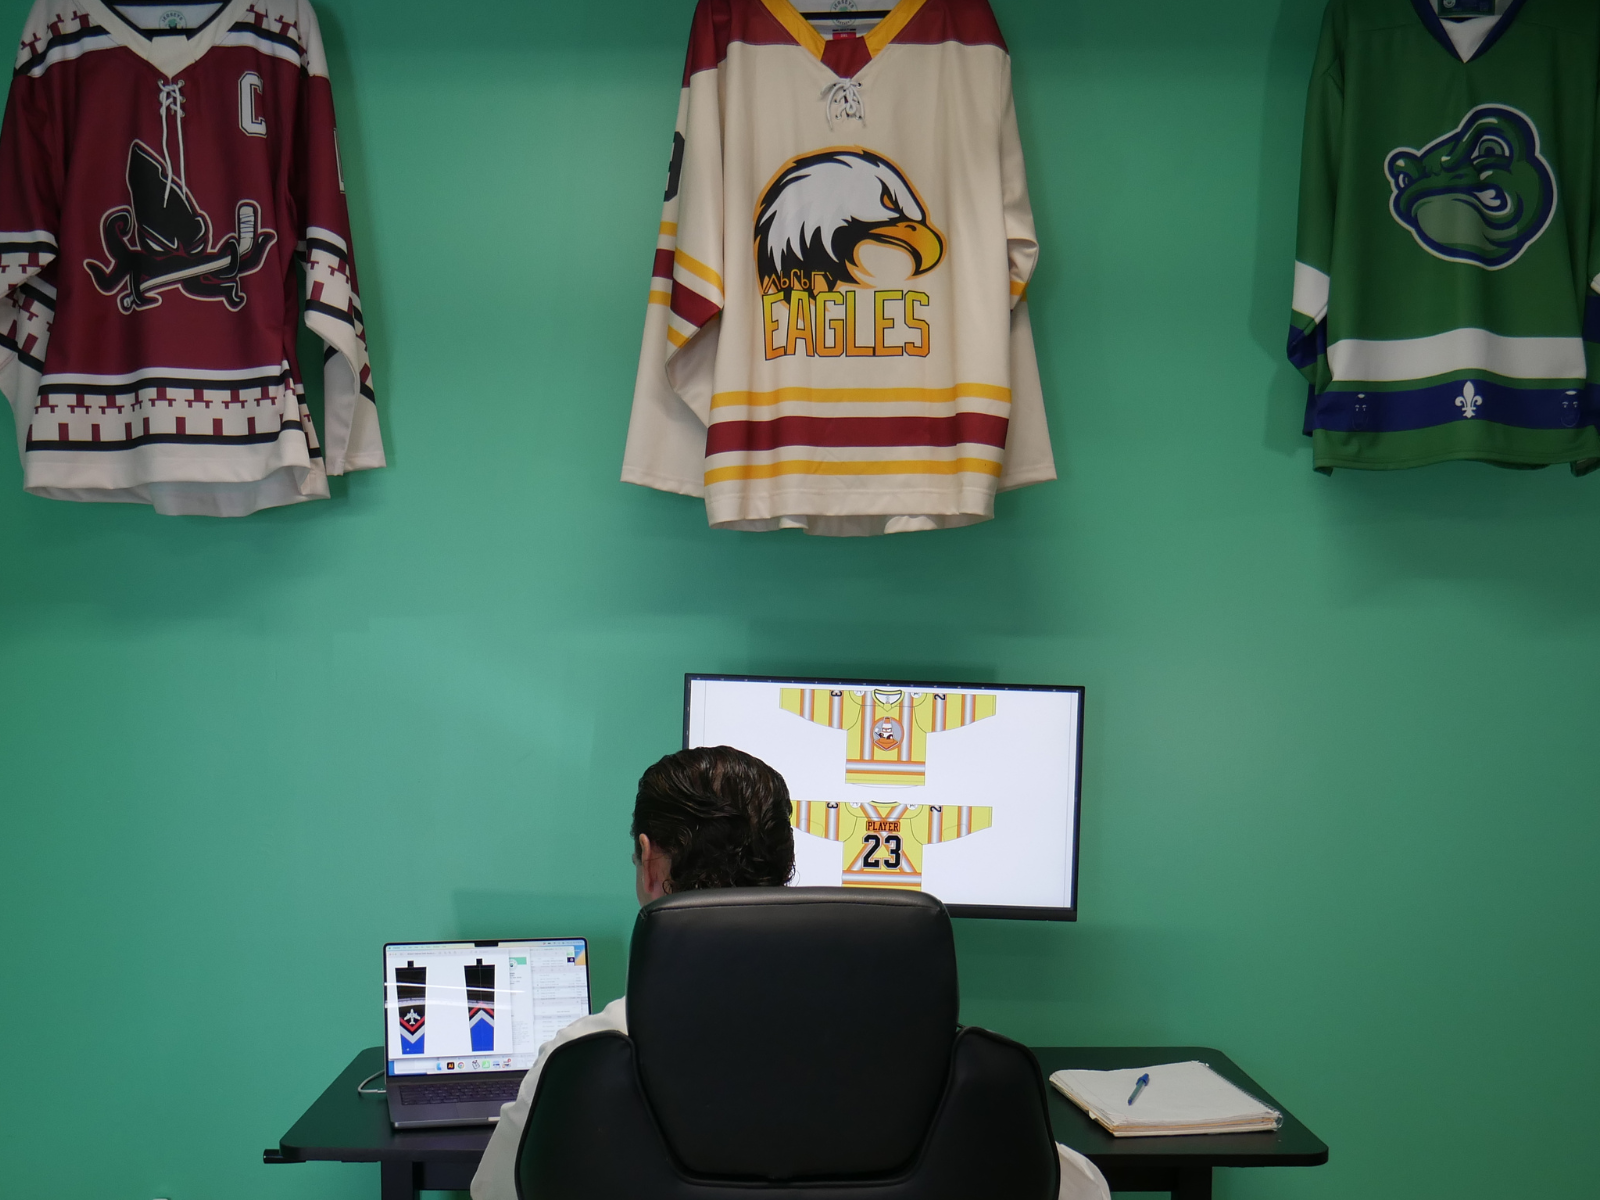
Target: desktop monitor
{"type": "Point", "coordinates": [966, 791]}
{"type": "Point", "coordinates": [453, 1008]}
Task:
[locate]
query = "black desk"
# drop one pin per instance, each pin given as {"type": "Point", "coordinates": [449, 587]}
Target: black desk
{"type": "Point", "coordinates": [344, 1127]}
{"type": "Point", "coordinates": [1180, 1165]}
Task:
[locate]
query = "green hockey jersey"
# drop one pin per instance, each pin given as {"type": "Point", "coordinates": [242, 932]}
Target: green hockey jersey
{"type": "Point", "coordinates": [1445, 292]}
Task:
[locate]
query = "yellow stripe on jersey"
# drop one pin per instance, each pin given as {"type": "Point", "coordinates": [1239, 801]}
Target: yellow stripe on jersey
{"type": "Point", "coordinates": [888, 395]}
{"type": "Point", "coordinates": [811, 466]}
{"type": "Point", "coordinates": [884, 32]}
{"type": "Point", "coordinates": [660, 297]}
{"type": "Point", "coordinates": [799, 29]}
{"type": "Point", "coordinates": [669, 229]}
{"type": "Point", "coordinates": [695, 267]}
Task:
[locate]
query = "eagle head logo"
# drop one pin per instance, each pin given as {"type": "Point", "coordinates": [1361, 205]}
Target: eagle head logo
{"type": "Point", "coordinates": [821, 208]}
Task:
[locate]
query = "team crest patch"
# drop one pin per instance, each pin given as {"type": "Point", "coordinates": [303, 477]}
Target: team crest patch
{"type": "Point", "coordinates": [888, 733]}
{"type": "Point", "coordinates": [821, 208]}
{"type": "Point", "coordinates": [1481, 194]}
{"type": "Point", "coordinates": [162, 240]}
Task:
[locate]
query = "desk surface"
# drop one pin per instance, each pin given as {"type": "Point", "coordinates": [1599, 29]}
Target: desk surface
{"type": "Point", "coordinates": [342, 1126]}
{"type": "Point", "coordinates": [345, 1127]}
{"type": "Point", "coordinates": [1291, 1146]}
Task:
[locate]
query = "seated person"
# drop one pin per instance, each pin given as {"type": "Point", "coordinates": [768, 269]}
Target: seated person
{"type": "Point", "coordinates": [710, 817]}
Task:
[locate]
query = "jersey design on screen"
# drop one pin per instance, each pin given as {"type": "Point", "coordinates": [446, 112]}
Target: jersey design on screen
{"type": "Point", "coordinates": [410, 994]}
{"type": "Point", "coordinates": [883, 843]}
{"type": "Point", "coordinates": [480, 1005]}
{"type": "Point", "coordinates": [887, 731]}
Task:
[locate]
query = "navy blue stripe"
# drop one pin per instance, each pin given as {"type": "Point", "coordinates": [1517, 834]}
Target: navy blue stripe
{"type": "Point", "coordinates": [1430, 20]}
{"type": "Point", "coordinates": [1591, 318]}
{"type": "Point", "coordinates": [45, 299]}
{"type": "Point", "coordinates": [1499, 30]}
{"type": "Point", "coordinates": [65, 39]}
{"type": "Point", "coordinates": [1307, 345]}
{"type": "Point", "coordinates": [27, 360]}
{"type": "Point", "coordinates": [1424, 408]}
{"type": "Point", "coordinates": [330, 311]}
{"type": "Point", "coordinates": [266, 35]}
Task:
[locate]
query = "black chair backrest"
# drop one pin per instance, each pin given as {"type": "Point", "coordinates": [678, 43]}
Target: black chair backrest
{"type": "Point", "coordinates": [793, 1033]}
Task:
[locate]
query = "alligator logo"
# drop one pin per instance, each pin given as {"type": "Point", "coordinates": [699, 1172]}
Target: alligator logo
{"type": "Point", "coordinates": [1481, 194]}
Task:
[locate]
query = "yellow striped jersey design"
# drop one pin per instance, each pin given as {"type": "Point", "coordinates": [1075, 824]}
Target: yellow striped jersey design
{"type": "Point", "coordinates": [883, 843]}
{"type": "Point", "coordinates": [887, 731]}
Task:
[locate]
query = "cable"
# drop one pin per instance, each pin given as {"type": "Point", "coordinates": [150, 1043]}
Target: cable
{"type": "Point", "coordinates": [363, 1090]}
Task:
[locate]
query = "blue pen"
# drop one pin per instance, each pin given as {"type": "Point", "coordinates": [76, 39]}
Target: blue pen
{"type": "Point", "coordinates": [1144, 1081]}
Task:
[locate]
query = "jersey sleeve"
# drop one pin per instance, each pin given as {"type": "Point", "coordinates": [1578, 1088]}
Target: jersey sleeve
{"type": "Point", "coordinates": [947, 823]}
{"type": "Point", "coordinates": [1029, 457]}
{"type": "Point", "coordinates": [1319, 184]}
{"type": "Point", "coordinates": [31, 165]}
{"type": "Point", "coordinates": [816, 817]}
{"type": "Point", "coordinates": [672, 391]}
{"type": "Point", "coordinates": [815, 705]}
{"type": "Point", "coordinates": [352, 441]}
{"type": "Point", "coordinates": [952, 710]}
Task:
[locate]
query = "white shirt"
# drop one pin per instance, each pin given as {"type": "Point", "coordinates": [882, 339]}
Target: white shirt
{"type": "Point", "coordinates": [496, 1177]}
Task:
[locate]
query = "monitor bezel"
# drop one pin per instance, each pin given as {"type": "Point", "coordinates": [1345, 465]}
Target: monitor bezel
{"type": "Point", "coordinates": [476, 944]}
{"type": "Point", "coordinates": [1006, 912]}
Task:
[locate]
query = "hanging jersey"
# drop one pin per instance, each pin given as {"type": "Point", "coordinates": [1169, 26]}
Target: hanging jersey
{"type": "Point", "coordinates": [837, 338]}
{"type": "Point", "coordinates": [167, 169]}
{"type": "Point", "coordinates": [886, 741]}
{"type": "Point", "coordinates": [883, 843]}
{"type": "Point", "coordinates": [1449, 243]}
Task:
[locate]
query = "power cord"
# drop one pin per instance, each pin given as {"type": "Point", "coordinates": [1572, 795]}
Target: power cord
{"type": "Point", "coordinates": [363, 1090]}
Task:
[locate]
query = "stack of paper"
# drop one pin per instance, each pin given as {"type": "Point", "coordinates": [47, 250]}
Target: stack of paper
{"type": "Point", "coordinates": [1186, 1097]}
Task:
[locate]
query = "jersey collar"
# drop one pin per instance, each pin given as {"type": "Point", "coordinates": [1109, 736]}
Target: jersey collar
{"type": "Point", "coordinates": [876, 38]}
{"type": "Point", "coordinates": [1435, 25]}
{"type": "Point", "coordinates": [169, 55]}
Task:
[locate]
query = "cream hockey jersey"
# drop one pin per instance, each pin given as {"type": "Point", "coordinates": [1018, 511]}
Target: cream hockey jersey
{"type": "Point", "coordinates": [837, 338]}
{"type": "Point", "coordinates": [163, 171]}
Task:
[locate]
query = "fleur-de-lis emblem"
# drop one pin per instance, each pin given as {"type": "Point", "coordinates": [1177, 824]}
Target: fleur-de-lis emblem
{"type": "Point", "coordinates": [1468, 401]}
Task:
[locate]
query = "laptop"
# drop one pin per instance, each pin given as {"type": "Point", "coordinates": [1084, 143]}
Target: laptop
{"type": "Point", "coordinates": [463, 1022]}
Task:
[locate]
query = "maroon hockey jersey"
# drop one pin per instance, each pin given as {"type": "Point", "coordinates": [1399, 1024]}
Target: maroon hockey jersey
{"type": "Point", "coordinates": [164, 168]}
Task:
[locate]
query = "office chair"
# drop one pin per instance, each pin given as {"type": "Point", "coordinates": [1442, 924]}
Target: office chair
{"type": "Point", "coordinates": [792, 1040]}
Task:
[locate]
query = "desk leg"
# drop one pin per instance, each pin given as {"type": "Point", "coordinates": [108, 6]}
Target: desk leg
{"type": "Point", "coordinates": [401, 1177]}
{"type": "Point", "coordinates": [1191, 1184]}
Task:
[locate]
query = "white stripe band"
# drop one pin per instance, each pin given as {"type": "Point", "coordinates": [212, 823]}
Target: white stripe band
{"type": "Point", "coordinates": [1310, 292]}
{"type": "Point", "coordinates": [1459, 350]}
{"type": "Point", "coordinates": [201, 377]}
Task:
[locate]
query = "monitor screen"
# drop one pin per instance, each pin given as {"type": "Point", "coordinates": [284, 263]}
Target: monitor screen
{"type": "Point", "coordinates": [479, 1006]}
{"type": "Point", "coordinates": [966, 791]}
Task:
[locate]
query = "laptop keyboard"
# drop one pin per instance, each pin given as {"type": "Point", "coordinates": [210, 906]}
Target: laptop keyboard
{"type": "Point", "coordinates": [461, 1091]}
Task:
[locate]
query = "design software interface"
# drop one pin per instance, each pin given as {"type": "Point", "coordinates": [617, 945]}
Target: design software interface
{"type": "Point", "coordinates": [967, 791]}
{"type": "Point", "coordinates": [479, 1006]}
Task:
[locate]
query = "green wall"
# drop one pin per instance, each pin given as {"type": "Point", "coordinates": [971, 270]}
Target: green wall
{"type": "Point", "coordinates": [1339, 803]}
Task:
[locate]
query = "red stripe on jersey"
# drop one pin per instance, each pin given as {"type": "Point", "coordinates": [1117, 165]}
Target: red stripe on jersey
{"type": "Point", "coordinates": [969, 428]}
{"type": "Point", "coordinates": [970, 22]}
{"type": "Point", "coordinates": [692, 306]}
{"type": "Point", "coordinates": [663, 266]}
{"type": "Point", "coordinates": [719, 22]}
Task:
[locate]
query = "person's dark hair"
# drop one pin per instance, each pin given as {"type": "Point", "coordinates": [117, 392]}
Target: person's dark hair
{"type": "Point", "coordinates": [721, 814]}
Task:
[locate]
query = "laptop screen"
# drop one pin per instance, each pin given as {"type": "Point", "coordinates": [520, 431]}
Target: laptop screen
{"type": "Point", "coordinates": [454, 1007]}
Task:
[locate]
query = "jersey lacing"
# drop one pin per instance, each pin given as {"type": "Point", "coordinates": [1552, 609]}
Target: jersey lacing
{"type": "Point", "coordinates": [844, 101]}
{"type": "Point", "coordinates": [172, 101]}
